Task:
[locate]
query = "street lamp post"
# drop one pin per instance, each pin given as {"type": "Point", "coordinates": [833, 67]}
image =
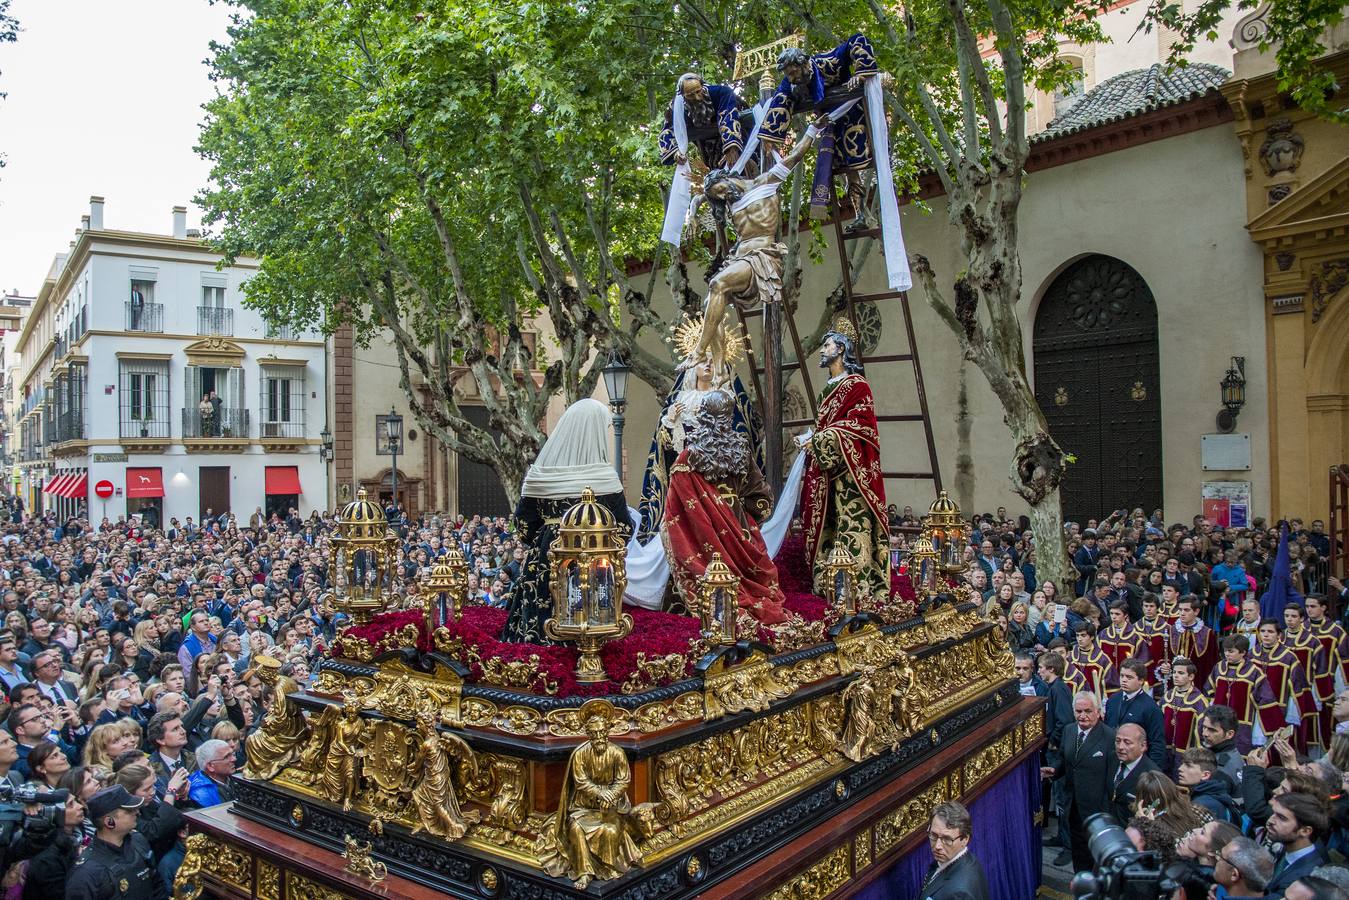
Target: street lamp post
{"type": "Point", "coordinates": [616, 382]}
{"type": "Point", "coordinates": [393, 431]}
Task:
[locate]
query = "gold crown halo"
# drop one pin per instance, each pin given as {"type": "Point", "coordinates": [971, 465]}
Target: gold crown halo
{"type": "Point", "coordinates": [690, 330]}
{"type": "Point", "coordinates": [844, 326]}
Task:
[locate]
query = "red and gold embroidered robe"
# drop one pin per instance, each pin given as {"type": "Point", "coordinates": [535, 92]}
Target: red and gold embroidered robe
{"type": "Point", "coordinates": [1180, 715]}
{"type": "Point", "coordinates": [1246, 691]}
{"type": "Point", "coordinates": [702, 518]}
{"type": "Point", "coordinates": [1092, 671]}
{"type": "Point", "coordinates": [1122, 643]}
{"type": "Point", "coordinates": [1199, 645]}
{"type": "Point", "coordinates": [1316, 664]}
{"type": "Point", "coordinates": [1332, 637]}
{"type": "Point", "coordinates": [1288, 680]}
{"type": "Point", "coordinates": [843, 494]}
{"type": "Point", "coordinates": [1157, 641]}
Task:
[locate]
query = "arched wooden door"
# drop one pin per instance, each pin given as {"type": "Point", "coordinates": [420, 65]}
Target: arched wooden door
{"type": "Point", "coordinates": [1097, 380]}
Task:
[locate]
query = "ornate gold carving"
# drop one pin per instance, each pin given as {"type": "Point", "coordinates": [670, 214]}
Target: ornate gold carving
{"type": "Point", "coordinates": [187, 882]}
{"type": "Point", "coordinates": [437, 756]}
{"type": "Point", "coordinates": [706, 774]}
{"type": "Point", "coordinates": [500, 783]}
{"type": "Point", "coordinates": [750, 686]}
{"type": "Point", "coordinates": [301, 888]}
{"type": "Point", "coordinates": [657, 716]}
{"type": "Point", "coordinates": [488, 878]}
{"type": "Point", "coordinates": [693, 867]}
{"type": "Point", "coordinates": [359, 862]}
{"type": "Point", "coordinates": [989, 759]}
{"type": "Point", "coordinates": [898, 825]}
{"type": "Point", "coordinates": [862, 850]}
{"type": "Point", "coordinates": [269, 881]}
{"type": "Point", "coordinates": [651, 672]}
{"type": "Point", "coordinates": [1061, 396]}
{"type": "Point", "coordinates": [753, 60]}
{"type": "Point", "coordinates": [820, 880]}
{"type": "Point", "coordinates": [231, 865]}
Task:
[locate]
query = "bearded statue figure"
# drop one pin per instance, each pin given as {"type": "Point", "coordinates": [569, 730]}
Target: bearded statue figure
{"type": "Point", "coordinates": [717, 499]}
{"type": "Point", "coordinates": [843, 494]}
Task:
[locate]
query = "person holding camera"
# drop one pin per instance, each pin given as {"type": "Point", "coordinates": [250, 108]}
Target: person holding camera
{"type": "Point", "coordinates": [49, 870]}
{"type": "Point", "coordinates": [117, 862]}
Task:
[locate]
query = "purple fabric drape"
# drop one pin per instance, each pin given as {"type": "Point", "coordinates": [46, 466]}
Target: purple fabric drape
{"type": "Point", "coordinates": [1006, 842]}
{"type": "Point", "coordinates": [1281, 590]}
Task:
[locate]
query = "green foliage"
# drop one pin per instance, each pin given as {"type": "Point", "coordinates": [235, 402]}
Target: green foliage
{"type": "Point", "coordinates": [1297, 27]}
{"type": "Point", "coordinates": [9, 33]}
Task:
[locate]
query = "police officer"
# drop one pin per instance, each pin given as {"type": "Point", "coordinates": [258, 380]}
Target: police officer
{"type": "Point", "coordinates": [116, 865]}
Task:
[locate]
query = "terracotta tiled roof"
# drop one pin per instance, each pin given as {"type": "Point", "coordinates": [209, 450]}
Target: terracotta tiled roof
{"type": "Point", "coordinates": [1134, 93]}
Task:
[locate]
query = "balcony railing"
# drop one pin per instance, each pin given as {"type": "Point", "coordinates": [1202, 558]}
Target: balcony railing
{"type": "Point", "coordinates": [224, 423]}
{"type": "Point", "coordinates": [215, 320]}
{"type": "Point", "coordinates": [281, 429]}
{"type": "Point", "coordinates": [155, 427]}
{"type": "Point", "coordinates": [62, 345]}
{"type": "Point", "coordinates": [68, 429]}
{"type": "Point", "coordinates": [148, 317]}
{"type": "Point", "coordinates": [280, 332]}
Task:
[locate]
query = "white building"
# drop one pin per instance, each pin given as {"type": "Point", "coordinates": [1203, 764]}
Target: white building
{"type": "Point", "coordinates": [128, 334]}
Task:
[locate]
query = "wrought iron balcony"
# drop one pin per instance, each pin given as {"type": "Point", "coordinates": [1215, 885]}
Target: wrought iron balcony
{"type": "Point", "coordinates": [147, 317]}
{"type": "Point", "coordinates": [215, 320]}
{"type": "Point", "coordinates": [223, 422]}
{"type": "Point", "coordinates": [156, 426]}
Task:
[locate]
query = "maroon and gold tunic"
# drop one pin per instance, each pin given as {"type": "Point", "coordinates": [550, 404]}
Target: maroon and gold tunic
{"type": "Point", "coordinates": [1092, 671]}
{"type": "Point", "coordinates": [1181, 714]}
{"type": "Point", "coordinates": [1122, 643]}
{"type": "Point", "coordinates": [1199, 645]}
{"type": "Point", "coordinates": [1156, 639]}
{"type": "Point", "coordinates": [1246, 691]}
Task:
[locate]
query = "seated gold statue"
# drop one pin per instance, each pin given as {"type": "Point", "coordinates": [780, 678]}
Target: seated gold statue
{"type": "Point", "coordinates": [279, 739]}
{"type": "Point", "coordinates": [595, 825]}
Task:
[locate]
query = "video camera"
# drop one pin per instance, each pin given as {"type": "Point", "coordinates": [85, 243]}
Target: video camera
{"type": "Point", "coordinates": [14, 799]}
{"type": "Point", "coordinates": [1122, 872]}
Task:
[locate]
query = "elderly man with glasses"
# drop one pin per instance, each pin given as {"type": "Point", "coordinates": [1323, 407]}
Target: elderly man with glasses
{"type": "Point", "coordinates": [954, 874]}
{"type": "Point", "coordinates": [1242, 868]}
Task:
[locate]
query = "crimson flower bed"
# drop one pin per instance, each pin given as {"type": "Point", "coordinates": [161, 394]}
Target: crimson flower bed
{"type": "Point", "coordinates": [655, 636]}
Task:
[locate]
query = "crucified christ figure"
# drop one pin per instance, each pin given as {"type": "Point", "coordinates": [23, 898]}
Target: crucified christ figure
{"type": "Point", "coordinates": [753, 272]}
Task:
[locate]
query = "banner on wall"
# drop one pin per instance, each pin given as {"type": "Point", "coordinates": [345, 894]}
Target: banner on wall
{"type": "Point", "coordinates": [1227, 504]}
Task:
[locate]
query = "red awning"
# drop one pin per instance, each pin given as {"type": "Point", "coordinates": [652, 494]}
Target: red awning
{"type": "Point", "coordinates": [282, 480]}
{"type": "Point", "coordinates": [144, 483]}
{"type": "Point", "coordinates": [77, 487]}
{"type": "Point", "coordinates": [55, 483]}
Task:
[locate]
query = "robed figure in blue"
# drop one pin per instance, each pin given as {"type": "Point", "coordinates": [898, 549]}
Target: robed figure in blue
{"type": "Point", "coordinates": [846, 146]}
{"type": "Point", "coordinates": [713, 120]}
{"type": "Point", "coordinates": [1281, 591]}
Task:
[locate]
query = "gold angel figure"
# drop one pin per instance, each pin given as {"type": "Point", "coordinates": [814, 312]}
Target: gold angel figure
{"type": "Point", "coordinates": [434, 796]}
{"type": "Point", "coordinates": [339, 741]}
{"type": "Point", "coordinates": [279, 739]}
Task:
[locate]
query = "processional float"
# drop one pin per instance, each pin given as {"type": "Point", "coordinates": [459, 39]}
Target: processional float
{"type": "Point", "coordinates": [642, 754]}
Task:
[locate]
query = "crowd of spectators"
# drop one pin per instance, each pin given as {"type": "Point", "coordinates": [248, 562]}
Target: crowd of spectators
{"type": "Point", "coordinates": [1214, 733]}
{"type": "Point", "coordinates": [125, 658]}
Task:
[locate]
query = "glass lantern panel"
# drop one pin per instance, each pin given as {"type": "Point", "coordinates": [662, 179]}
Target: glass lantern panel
{"type": "Point", "coordinates": [718, 606]}
{"type": "Point", "coordinates": [952, 555]}
{"type": "Point", "coordinates": [340, 578]}
{"type": "Point", "coordinates": [573, 593]}
{"type": "Point", "coordinates": [841, 586]}
{"type": "Point", "coordinates": [602, 577]}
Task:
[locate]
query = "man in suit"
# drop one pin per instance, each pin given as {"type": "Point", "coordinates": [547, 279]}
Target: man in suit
{"type": "Point", "coordinates": [954, 874]}
{"type": "Point", "coordinates": [1133, 703]}
{"type": "Point", "coordinates": [1088, 766]}
{"type": "Point", "coordinates": [1131, 746]}
{"type": "Point", "coordinates": [1297, 822]}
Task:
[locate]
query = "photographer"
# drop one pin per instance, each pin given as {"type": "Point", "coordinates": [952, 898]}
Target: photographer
{"type": "Point", "coordinates": [49, 869]}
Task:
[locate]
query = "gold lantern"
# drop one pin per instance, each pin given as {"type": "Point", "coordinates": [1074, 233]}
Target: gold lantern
{"type": "Point", "coordinates": [840, 570]}
{"type": "Point", "coordinates": [587, 569]}
{"type": "Point", "coordinates": [446, 589]}
{"type": "Point", "coordinates": [923, 565]}
{"type": "Point", "coordinates": [948, 533]}
{"type": "Point", "coordinates": [718, 599]}
{"type": "Point", "coordinates": [364, 557]}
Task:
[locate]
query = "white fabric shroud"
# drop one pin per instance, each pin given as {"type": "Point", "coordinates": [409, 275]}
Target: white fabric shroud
{"type": "Point", "coordinates": [649, 570]}
{"type": "Point", "coordinates": [677, 206]}
{"type": "Point", "coordinates": [892, 240]}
